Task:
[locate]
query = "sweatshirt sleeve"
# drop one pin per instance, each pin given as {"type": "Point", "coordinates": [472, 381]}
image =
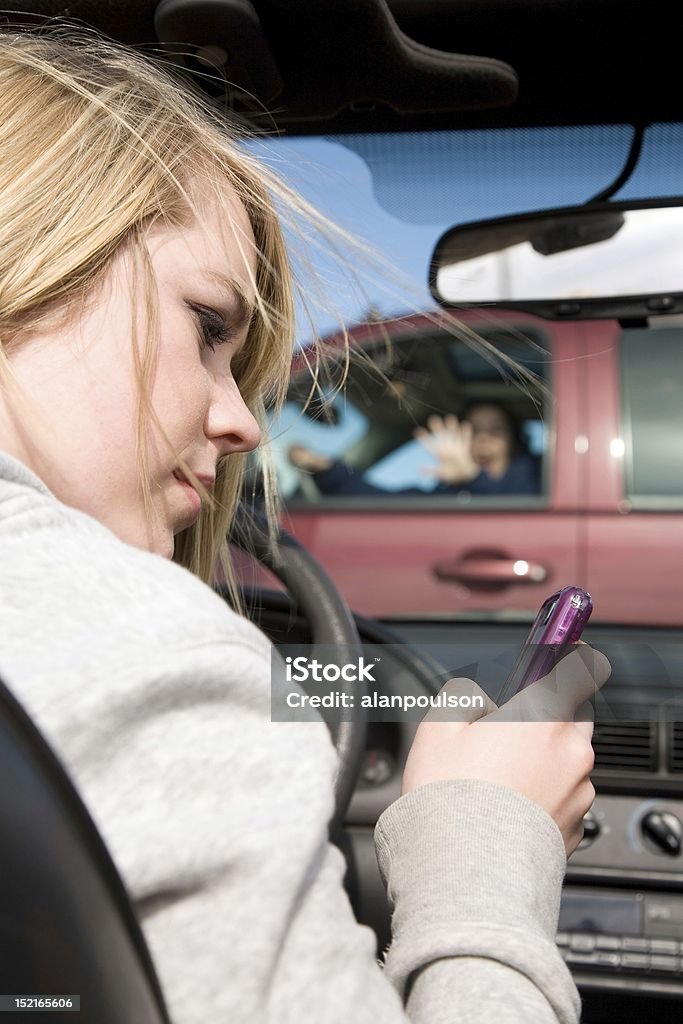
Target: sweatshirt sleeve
{"type": "Point", "coordinates": [157, 698]}
{"type": "Point", "coordinates": [217, 818]}
{"type": "Point", "coordinates": [474, 872]}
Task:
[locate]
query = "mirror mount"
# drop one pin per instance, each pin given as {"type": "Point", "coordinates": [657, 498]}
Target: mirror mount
{"type": "Point", "coordinates": [567, 233]}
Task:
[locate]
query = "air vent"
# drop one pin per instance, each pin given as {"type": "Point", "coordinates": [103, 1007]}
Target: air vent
{"type": "Point", "coordinates": [627, 746]}
{"type": "Point", "coordinates": [675, 758]}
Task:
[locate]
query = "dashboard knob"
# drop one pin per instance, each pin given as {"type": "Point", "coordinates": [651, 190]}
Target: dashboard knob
{"type": "Point", "coordinates": [591, 830]}
{"type": "Point", "coordinates": [663, 829]}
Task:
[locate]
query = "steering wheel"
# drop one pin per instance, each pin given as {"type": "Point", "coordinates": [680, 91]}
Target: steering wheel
{"type": "Point", "coordinates": [330, 621]}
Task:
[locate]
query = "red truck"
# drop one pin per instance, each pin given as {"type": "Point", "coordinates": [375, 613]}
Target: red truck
{"type": "Point", "coordinates": [606, 421]}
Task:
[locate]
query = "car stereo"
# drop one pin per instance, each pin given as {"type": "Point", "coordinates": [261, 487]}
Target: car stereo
{"type": "Point", "coordinates": [625, 931]}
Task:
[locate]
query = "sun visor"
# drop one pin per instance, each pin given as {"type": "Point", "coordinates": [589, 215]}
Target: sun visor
{"type": "Point", "coordinates": [312, 60]}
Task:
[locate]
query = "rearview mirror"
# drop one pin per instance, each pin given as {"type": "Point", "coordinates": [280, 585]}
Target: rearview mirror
{"type": "Point", "coordinates": [608, 260]}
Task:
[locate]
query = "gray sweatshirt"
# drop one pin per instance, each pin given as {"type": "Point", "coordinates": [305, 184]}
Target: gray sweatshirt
{"type": "Point", "coordinates": [157, 698]}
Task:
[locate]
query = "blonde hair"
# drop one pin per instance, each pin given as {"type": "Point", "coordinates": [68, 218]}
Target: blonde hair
{"type": "Point", "coordinates": [97, 142]}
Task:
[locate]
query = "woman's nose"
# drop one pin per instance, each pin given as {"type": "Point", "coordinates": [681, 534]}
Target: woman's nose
{"type": "Point", "coordinates": [230, 422]}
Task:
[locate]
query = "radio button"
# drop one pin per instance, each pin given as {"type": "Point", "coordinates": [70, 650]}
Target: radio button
{"type": "Point", "coordinates": [582, 943]}
{"type": "Point", "coordinates": [562, 939]}
{"type": "Point", "coordinates": [607, 942]}
{"type": "Point", "coordinates": [582, 959]}
{"type": "Point", "coordinates": [664, 946]}
{"type": "Point", "coordinates": [664, 963]}
{"type": "Point", "coordinates": [635, 961]}
{"type": "Point", "coordinates": [611, 960]}
{"type": "Point", "coordinates": [636, 945]}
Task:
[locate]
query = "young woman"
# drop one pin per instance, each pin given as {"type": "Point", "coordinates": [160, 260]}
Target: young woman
{"type": "Point", "coordinates": [483, 453]}
{"type": "Point", "coordinates": [145, 320]}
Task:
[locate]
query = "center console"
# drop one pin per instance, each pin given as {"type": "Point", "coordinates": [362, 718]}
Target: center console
{"type": "Point", "coordinates": [621, 920]}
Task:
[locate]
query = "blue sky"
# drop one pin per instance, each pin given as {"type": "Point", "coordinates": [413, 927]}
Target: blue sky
{"type": "Point", "coordinates": [338, 182]}
{"type": "Point", "coordinates": [399, 192]}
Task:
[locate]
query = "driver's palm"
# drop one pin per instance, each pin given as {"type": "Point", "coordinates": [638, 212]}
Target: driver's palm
{"type": "Point", "coordinates": [451, 443]}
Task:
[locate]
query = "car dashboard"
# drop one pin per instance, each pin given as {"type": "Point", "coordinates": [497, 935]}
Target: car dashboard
{"type": "Point", "coordinates": [621, 920]}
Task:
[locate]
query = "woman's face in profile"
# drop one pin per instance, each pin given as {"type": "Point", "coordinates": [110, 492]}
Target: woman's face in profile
{"type": "Point", "coordinates": [82, 381]}
{"type": "Point", "coordinates": [491, 436]}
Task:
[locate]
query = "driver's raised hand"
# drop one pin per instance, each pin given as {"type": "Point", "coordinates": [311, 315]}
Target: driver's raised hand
{"type": "Point", "coordinates": [451, 443]}
{"type": "Point", "coordinates": [532, 744]}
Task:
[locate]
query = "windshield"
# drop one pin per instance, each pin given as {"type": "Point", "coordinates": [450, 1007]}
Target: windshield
{"type": "Point", "coordinates": [400, 192]}
{"type": "Point", "coordinates": [463, 465]}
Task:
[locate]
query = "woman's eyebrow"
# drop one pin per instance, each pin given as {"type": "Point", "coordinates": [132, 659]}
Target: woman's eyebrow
{"type": "Point", "coordinates": [244, 309]}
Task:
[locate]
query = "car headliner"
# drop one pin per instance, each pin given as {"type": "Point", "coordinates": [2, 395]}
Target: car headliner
{"type": "Point", "coordinates": [366, 65]}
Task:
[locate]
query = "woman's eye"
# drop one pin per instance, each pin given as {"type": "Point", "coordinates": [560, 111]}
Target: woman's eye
{"type": "Point", "coordinates": [215, 330]}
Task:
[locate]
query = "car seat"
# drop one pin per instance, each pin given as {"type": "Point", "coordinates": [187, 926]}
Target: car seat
{"type": "Point", "coordinates": [67, 926]}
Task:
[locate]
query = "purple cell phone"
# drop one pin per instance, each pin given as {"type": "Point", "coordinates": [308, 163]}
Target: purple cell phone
{"type": "Point", "coordinates": [558, 625]}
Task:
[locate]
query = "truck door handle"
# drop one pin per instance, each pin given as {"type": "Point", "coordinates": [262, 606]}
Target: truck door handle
{"type": "Point", "coordinates": [489, 570]}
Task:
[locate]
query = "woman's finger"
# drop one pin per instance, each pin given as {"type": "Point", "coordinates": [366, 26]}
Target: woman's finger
{"type": "Point", "coordinates": [585, 720]}
{"type": "Point", "coordinates": [557, 696]}
{"type": "Point", "coordinates": [473, 703]}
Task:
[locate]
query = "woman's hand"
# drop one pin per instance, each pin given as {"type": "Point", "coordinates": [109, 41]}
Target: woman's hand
{"type": "Point", "coordinates": [450, 441]}
{"type": "Point", "coordinates": [549, 761]}
{"type": "Point", "coordinates": [304, 458]}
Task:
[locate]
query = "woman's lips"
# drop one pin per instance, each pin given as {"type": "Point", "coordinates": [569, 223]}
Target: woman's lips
{"type": "Point", "coordinates": [193, 498]}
